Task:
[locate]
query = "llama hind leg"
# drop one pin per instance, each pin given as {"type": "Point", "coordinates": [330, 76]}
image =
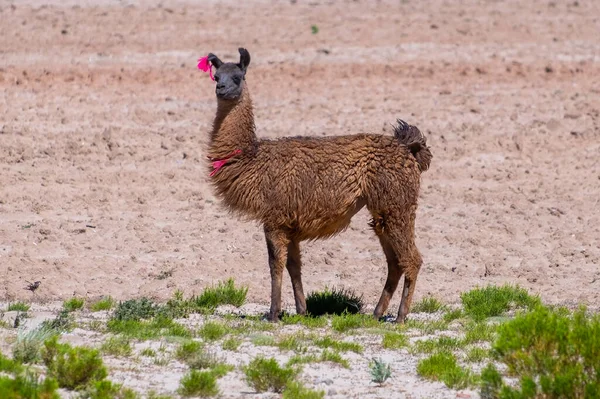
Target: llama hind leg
{"type": "Point", "coordinates": [277, 248]}
{"type": "Point", "coordinates": [294, 267]}
{"type": "Point", "coordinates": [393, 277]}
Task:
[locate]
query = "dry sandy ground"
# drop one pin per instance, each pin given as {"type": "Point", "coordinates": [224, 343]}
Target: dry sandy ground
{"type": "Point", "coordinates": [104, 120]}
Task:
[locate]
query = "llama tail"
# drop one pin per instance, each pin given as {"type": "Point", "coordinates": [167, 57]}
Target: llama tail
{"type": "Point", "coordinates": [415, 141]}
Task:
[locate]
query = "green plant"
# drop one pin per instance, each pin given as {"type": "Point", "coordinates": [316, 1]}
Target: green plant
{"type": "Point", "coordinates": [476, 355]}
{"type": "Point", "coordinates": [481, 303]}
{"type": "Point", "coordinates": [442, 343]}
{"type": "Point", "coordinates": [148, 329]}
{"type": "Point", "coordinates": [307, 321]}
{"type": "Point", "coordinates": [394, 340]}
{"type": "Point", "coordinates": [479, 332]}
{"type": "Point", "coordinates": [347, 321]}
{"type": "Point", "coordinates": [262, 340]}
{"type": "Point", "coordinates": [328, 342]}
{"type": "Point", "coordinates": [289, 342]}
{"type": "Point", "coordinates": [198, 383]}
{"type": "Point", "coordinates": [149, 352]}
{"type": "Point", "coordinates": [105, 303]}
{"type": "Point", "coordinates": [187, 350]}
{"type": "Point", "coordinates": [333, 301]}
{"type": "Point", "coordinates": [28, 385]}
{"type": "Point", "coordinates": [212, 331]}
{"type": "Point", "coordinates": [314, 29]}
{"type": "Point", "coordinates": [18, 306]}
{"type": "Point", "coordinates": [266, 374]}
{"type": "Point", "coordinates": [428, 305]}
{"type": "Point", "coordinates": [335, 357]}
{"type": "Point", "coordinates": [72, 367]}
{"type": "Point", "coordinates": [380, 371]}
{"type": "Point", "coordinates": [8, 365]}
{"type": "Point", "coordinates": [106, 389]}
{"type": "Point", "coordinates": [452, 315]}
{"type": "Point", "coordinates": [135, 309]}
{"type": "Point", "coordinates": [295, 390]}
{"type": "Point", "coordinates": [28, 344]}
{"type": "Point", "coordinates": [63, 322]}
{"type": "Point", "coordinates": [442, 366]}
{"type": "Point", "coordinates": [231, 344]}
{"type": "Point", "coordinates": [555, 354]}
{"type": "Point", "coordinates": [223, 294]}
{"type": "Point", "coordinates": [154, 395]}
{"type": "Point", "coordinates": [302, 359]}
{"type": "Point", "coordinates": [116, 346]}
{"type": "Point", "coordinates": [73, 304]}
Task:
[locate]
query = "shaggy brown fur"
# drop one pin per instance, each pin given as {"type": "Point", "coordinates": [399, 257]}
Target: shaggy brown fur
{"type": "Point", "coordinates": [305, 188]}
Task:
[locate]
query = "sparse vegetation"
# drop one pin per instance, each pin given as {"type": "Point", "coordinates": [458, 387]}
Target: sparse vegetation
{"type": "Point", "coordinates": [73, 304]}
{"type": "Point", "coordinates": [63, 322]}
{"type": "Point", "coordinates": [439, 344]}
{"type": "Point", "coordinates": [267, 375]}
{"type": "Point", "coordinates": [198, 383]}
{"type": "Point", "coordinates": [481, 303]}
{"type": "Point", "coordinates": [106, 389]}
{"type": "Point", "coordinates": [116, 346]}
{"type": "Point", "coordinates": [105, 303]}
{"type": "Point", "coordinates": [479, 332]}
{"type": "Point", "coordinates": [380, 371]}
{"type": "Point", "coordinates": [289, 342]}
{"type": "Point", "coordinates": [72, 367]}
{"type": "Point", "coordinates": [394, 340]}
{"type": "Point", "coordinates": [223, 294]}
{"type": "Point", "coordinates": [442, 366]}
{"type": "Point", "coordinates": [148, 352]}
{"type": "Point", "coordinates": [428, 305]}
{"type": "Point", "coordinates": [348, 321]}
{"type": "Point", "coordinates": [333, 301]}
{"type": "Point", "coordinates": [295, 390]}
{"type": "Point", "coordinates": [307, 321]}
{"type": "Point", "coordinates": [476, 355]}
{"type": "Point", "coordinates": [212, 331]}
{"type": "Point", "coordinates": [28, 344]}
{"type": "Point", "coordinates": [18, 306]}
{"type": "Point", "coordinates": [342, 346]}
{"type": "Point", "coordinates": [135, 309]}
{"type": "Point", "coordinates": [335, 357]}
{"type": "Point", "coordinates": [231, 344]}
{"type": "Point", "coordinates": [28, 385]}
{"type": "Point", "coordinates": [148, 329]}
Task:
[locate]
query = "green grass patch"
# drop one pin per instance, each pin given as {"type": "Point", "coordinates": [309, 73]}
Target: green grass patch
{"type": "Point", "coordinates": [9, 365]}
{"type": "Point", "coordinates": [106, 389]}
{"type": "Point", "coordinates": [290, 343]}
{"type": "Point", "coordinates": [428, 305]}
{"type": "Point", "coordinates": [28, 345]}
{"type": "Point", "coordinates": [212, 331]}
{"type": "Point", "coordinates": [262, 340]}
{"type": "Point", "coordinates": [479, 332]}
{"type": "Point", "coordinates": [222, 294]}
{"type": "Point", "coordinates": [187, 350]}
{"type": "Point", "coordinates": [477, 355]}
{"type": "Point", "coordinates": [264, 374]}
{"type": "Point", "coordinates": [349, 321]}
{"type": "Point", "coordinates": [442, 366]}
{"type": "Point", "coordinates": [116, 346]}
{"type": "Point", "coordinates": [439, 344]}
{"type": "Point", "coordinates": [306, 321]}
{"type": "Point", "coordinates": [481, 303]}
{"type": "Point", "coordinates": [452, 315]}
{"type": "Point", "coordinates": [335, 357]}
{"type": "Point", "coordinates": [295, 390]}
{"type": "Point", "coordinates": [394, 340]}
{"type": "Point", "coordinates": [232, 344]}
{"type": "Point", "coordinates": [72, 367]}
{"type": "Point", "coordinates": [148, 352]}
{"type": "Point", "coordinates": [555, 355]}
{"type": "Point", "coordinates": [148, 329]}
{"type": "Point", "coordinates": [198, 383]}
{"type": "Point", "coordinates": [28, 385]}
{"type": "Point", "coordinates": [303, 359]}
{"type": "Point", "coordinates": [18, 307]}
{"type": "Point", "coordinates": [333, 301]}
{"type": "Point", "coordinates": [105, 303]}
{"type": "Point", "coordinates": [342, 346]}
{"type": "Point", "coordinates": [63, 322]}
{"type": "Point", "coordinates": [426, 327]}
{"type": "Point", "coordinates": [73, 304]}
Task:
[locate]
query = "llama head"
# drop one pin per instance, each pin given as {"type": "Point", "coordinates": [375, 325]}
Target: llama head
{"type": "Point", "coordinates": [230, 76]}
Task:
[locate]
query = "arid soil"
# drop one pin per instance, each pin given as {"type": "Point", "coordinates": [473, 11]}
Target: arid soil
{"type": "Point", "coordinates": [104, 121]}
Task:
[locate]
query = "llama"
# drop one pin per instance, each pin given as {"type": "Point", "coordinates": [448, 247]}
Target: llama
{"type": "Point", "coordinates": [306, 188]}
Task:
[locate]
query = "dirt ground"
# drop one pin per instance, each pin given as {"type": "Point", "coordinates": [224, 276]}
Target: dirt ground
{"type": "Point", "coordinates": [104, 120]}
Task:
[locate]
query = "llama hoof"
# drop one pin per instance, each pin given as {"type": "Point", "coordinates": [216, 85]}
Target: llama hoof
{"type": "Point", "coordinates": [387, 319]}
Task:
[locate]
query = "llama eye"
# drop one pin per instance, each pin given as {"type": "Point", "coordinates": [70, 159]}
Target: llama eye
{"type": "Point", "coordinates": [237, 80]}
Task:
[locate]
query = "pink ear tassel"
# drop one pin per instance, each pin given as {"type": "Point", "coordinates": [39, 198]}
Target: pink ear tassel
{"type": "Point", "coordinates": [204, 65]}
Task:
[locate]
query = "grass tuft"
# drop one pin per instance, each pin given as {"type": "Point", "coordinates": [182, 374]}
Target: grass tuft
{"type": "Point", "coordinates": [105, 303]}
{"type": "Point", "coordinates": [231, 344]}
{"type": "Point", "coordinates": [481, 303]}
{"type": "Point", "coordinates": [267, 375]}
{"type": "Point", "coordinates": [428, 305]}
{"type": "Point", "coordinates": [347, 321]}
{"type": "Point", "coordinates": [148, 329]}
{"type": "Point", "coordinates": [477, 355]}
{"type": "Point", "coordinates": [442, 366]}
{"type": "Point", "coordinates": [212, 331]}
{"type": "Point", "coordinates": [73, 304]}
{"type": "Point", "coordinates": [223, 294]}
{"type": "Point", "coordinates": [28, 344]}
{"type": "Point", "coordinates": [295, 390]}
{"type": "Point", "coordinates": [335, 357]}
{"type": "Point", "coordinates": [198, 383]}
{"type": "Point", "coordinates": [116, 346]}
{"type": "Point", "coordinates": [441, 344]}
{"type": "Point", "coordinates": [342, 346]}
{"type": "Point", "coordinates": [18, 306]}
{"type": "Point", "coordinates": [333, 301]}
{"type": "Point", "coordinates": [306, 321]}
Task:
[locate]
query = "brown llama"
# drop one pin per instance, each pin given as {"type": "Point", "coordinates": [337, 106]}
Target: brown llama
{"type": "Point", "coordinates": [305, 188]}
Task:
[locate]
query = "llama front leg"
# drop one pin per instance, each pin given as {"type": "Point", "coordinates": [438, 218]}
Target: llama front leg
{"type": "Point", "coordinates": [410, 282]}
{"type": "Point", "coordinates": [294, 267]}
{"type": "Point", "coordinates": [277, 248]}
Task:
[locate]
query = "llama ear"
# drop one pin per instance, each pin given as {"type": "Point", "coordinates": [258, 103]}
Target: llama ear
{"type": "Point", "coordinates": [214, 60]}
{"type": "Point", "coordinates": [244, 59]}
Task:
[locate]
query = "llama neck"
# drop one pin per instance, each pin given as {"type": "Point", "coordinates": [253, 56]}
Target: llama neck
{"type": "Point", "coordinates": [233, 127]}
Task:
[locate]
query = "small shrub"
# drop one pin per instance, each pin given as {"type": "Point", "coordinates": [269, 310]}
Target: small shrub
{"type": "Point", "coordinates": [554, 354]}
{"type": "Point", "coordinates": [295, 390]}
{"type": "Point", "coordinates": [335, 357]}
{"type": "Point", "coordinates": [135, 309]}
{"type": "Point", "coordinates": [28, 385]}
{"type": "Point", "coordinates": [442, 343]}
{"type": "Point", "coordinates": [333, 301]}
{"type": "Point", "coordinates": [18, 306]}
{"type": "Point", "coordinates": [267, 375]}
{"type": "Point", "coordinates": [481, 303]}
{"type": "Point", "coordinates": [380, 371]}
{"type": "Point", "coordinates": [212, 331]}
{"type": "Point", "coordinates": [72, 367]}
{"type": "Point", "coordinates": [231, 344]}
{"type": "Point", "coordinates": [9, 366]}
{"type": "Point", "coordinates": [73, 304]}
{"type": "Point", "coordinates": [347, 321]}
{"type": "Point", "coordinates": [28, 344]}
{"type": "Point", "coordinates": [223, 294]}
{"type": "Point", "coordinates": [427, 305]}
{"type": "Point", "coordinates": [328, 342]}
{"type": "Point", "coordinates": [116, 346]}
{"type": "Point", "coordinates": [306, 321]}
{"type": "Point", "coordinates": [63, 322]}
{"type": "Point", "coordinates": [198, 383]}
{"type": "Point", "coordinates": [394, 340]}
{"type": "Point", "coordinates": [442, 366]}
{"type": "Point", "coordinates": [302, 359]}
{"type": "Point", "coordinates": [105, 303]}
{"type": "Point", "coordinates": [188, 350]}
{"type": "Point", "coordinates": [148, 329]}
{"type": "Point", "coordinates": [108, 390]}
